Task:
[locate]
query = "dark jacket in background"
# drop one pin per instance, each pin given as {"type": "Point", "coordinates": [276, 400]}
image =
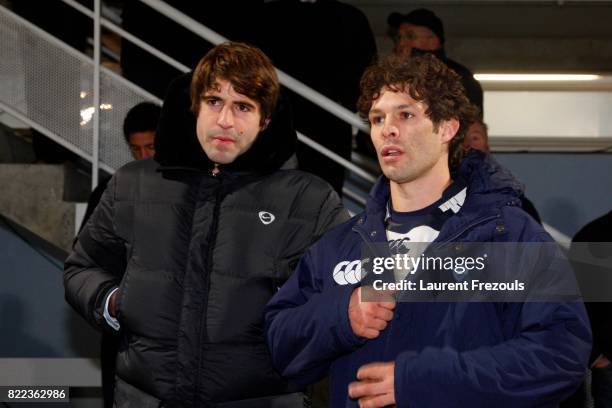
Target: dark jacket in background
{"type": "Point", "coordinates": [326, 45]}
{"type": "Point", "coordinates": [473, 90]}
{"type": "Point", "coordinates": [195, 263]}
{"type": "Point", "coordinates": [600, 313]}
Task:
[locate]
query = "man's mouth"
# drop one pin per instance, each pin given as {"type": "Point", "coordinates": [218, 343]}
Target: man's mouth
{"type": "Point", "coordinates": [223, 139]}
{"type": "Point", "coordinates": [391, 151]}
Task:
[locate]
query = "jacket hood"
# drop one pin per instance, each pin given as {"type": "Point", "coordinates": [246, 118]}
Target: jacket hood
{"type": "Point", "coordinates": [177, 145]}
{"type": "Point", "coordinates": [489, 184]}
{"type": "Point", "coordinates": [486, 176]}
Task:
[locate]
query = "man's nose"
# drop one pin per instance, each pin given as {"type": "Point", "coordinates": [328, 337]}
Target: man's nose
{"type": "Point", "coordinates": [405, 48]}
{"type": "Point", "coordinates": [390, 129]}
{"type": "Point", "coordinates": [226, 117]}
{"type": "Point", "coordinates": [139, 153]}
{"type": "Point", "coordinates": [146, 152]}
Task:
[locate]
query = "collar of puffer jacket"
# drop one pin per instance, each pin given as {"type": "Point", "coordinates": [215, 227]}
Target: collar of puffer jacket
{"type": "Point", "coordinates": [488, 183]}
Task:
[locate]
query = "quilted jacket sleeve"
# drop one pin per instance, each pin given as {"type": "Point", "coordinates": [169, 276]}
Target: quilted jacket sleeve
{"type": "Point", "coordinates": [96, 263]}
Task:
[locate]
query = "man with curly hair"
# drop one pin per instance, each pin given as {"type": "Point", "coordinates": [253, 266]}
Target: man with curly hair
{"type": "Point", "coordinates": [385, 352]}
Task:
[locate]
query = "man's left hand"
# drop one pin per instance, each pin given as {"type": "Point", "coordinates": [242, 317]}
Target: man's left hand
{"type": "Point", "coordinates": [375, 386]}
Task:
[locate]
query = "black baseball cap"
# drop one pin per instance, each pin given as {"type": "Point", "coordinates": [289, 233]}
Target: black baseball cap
{"type": "Point", "coordinates": [419, 17]}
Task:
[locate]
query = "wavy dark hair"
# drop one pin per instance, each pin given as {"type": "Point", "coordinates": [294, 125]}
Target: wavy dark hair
{"type": "Point", "coordinates": [428, 80]}
{"type": "Point", "coordinates": [247, 68]}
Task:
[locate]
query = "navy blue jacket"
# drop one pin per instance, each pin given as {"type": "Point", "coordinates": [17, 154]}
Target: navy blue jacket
{"type": "Point", "coordinates": [457, 354]}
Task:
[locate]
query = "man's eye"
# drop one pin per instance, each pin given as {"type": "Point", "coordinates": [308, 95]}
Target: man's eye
{"type": "Point", "coordinates": [406, 115]}
{"type": "Point", "coordinates": [376, 120]}
{"type": "Point", "coordinates": [243, 107]}
{"type": "Point", "coordinates": [212, 101]}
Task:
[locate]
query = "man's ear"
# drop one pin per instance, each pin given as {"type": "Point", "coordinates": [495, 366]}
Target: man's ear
{"type": "Point", "coordinates": [449, 129]}
{"type": "Point", "coordinates": [265, 124]}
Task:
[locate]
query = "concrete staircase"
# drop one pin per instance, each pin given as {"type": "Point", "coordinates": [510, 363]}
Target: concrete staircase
{"type": "Point", "coordinates": [47, 199]}
{"type": "Point", "coordinates": [33, 196]}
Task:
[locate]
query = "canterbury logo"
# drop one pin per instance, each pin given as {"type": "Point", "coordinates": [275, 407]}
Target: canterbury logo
{"type": "Point", "coordinates": [347, 272]}
{"type": "Point", "coordinates": [266, 217]}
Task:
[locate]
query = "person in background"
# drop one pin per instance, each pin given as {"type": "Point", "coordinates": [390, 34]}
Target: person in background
{"type": "Point", "coordinates": [595, 237]}
{"type": "Point", "coordinates": [477, 137]}
{"type": "Point", "coordinates": [139, 127]}
{"type": "Point", "coordinates": [422, 31]}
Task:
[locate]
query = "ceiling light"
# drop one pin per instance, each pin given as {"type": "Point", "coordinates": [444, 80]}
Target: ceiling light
{"type": "Point", "coordinates": [536, 77]}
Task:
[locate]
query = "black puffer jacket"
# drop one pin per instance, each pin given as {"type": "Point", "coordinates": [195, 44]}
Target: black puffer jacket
{"type": "Point", "coordinates": [196, 258]}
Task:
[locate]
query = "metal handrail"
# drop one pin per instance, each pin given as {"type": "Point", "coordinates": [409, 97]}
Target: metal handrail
{"type": "Point", "coordinates": [95, 151]}
{"type": "Point", "coordinates": [132, 38]}
{"type": "Point", "coordinates": [57, 139]}
{"type": "Point", "coordinates": [84, 58]}
{"type": "Point", "coordinates": [336, 157]}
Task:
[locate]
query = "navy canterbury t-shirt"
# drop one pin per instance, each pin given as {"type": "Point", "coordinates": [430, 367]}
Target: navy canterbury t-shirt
{"type": "Point", "coordinates": [411, 232]}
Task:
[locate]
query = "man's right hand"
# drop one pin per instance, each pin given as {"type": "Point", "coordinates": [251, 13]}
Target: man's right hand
{"type": "Point", "coordinates": [112, 305]}
{"type": "Point", "coordinates": [369, 318]}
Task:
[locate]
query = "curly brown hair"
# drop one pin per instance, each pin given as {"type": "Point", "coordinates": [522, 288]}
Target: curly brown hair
{"type": "Point", "coordinates": [247, 68]}
{"type": "Point", "coordinates": [428, 80]}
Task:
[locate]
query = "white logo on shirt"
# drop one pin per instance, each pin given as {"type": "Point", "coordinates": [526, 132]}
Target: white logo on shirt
{"type": "Point", "coordinates": [413, 242]}
{"type": "Point", "coordinates": [266, 218]}
{"type": "Point", "coordinates": [455, 202]}
{"type": "Point", "coordinates": [420, 234]}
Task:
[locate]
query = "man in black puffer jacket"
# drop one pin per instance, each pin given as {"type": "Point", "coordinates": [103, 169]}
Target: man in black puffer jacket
{"type": "Point", "coordinates": [184, 250]}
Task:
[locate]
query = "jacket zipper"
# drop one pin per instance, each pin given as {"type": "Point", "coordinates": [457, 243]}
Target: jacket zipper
{"type": "Point", "coordinates": [207, 272]}
{"type": "Point", "coordinates": [364, 236]}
